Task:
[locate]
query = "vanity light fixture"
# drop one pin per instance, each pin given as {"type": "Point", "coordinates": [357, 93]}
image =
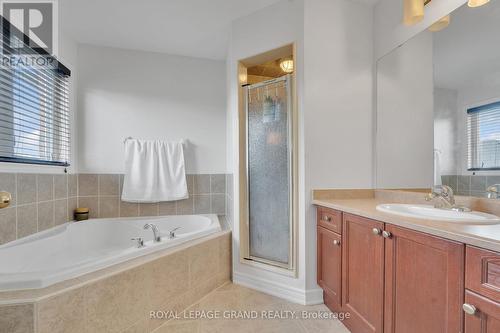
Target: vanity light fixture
{"type": "Point", "coordinates": [413, 11]}
{"type": "Point", "coordinates": [477, 3]}
{"type": "Point", "coordinates": [286, 65]}
{"type": "Point", "coordinates": [440, 24]}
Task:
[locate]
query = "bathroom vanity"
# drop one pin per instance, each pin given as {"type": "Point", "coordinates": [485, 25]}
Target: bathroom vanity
{"type": "Point", "coordinates": [397, 274]}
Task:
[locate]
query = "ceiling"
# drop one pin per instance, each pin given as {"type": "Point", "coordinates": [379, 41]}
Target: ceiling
{"type": "Point", "coordinates": [196, 28]}
{"type": "Point", "coordinates": [468, 50]}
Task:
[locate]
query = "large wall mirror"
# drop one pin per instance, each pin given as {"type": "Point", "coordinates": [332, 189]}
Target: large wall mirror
{"type": "Point", "coordinates": [438, 106]}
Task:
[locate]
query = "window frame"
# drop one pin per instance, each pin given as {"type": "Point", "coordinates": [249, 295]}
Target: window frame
{"type": "Point", "coordinates": [471, 149]}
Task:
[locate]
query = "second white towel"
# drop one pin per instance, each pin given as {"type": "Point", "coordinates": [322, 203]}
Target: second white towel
{"type": "Point", "coordinates": [154, 171]}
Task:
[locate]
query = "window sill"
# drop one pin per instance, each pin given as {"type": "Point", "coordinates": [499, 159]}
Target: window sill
{"type": "Point", "coordinates": [32, 168]}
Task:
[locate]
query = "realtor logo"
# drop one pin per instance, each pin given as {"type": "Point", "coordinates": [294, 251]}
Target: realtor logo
{"type": "Point", "coordinates": [35, 23]}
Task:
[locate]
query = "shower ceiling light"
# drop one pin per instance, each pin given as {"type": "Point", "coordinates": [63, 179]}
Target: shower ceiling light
{"type": "Point", "coordinates": [286, 65]}
{"type": "Point", "coordinates": [441, 24]}
{"type": "Point", "coordinates": [477, 3]}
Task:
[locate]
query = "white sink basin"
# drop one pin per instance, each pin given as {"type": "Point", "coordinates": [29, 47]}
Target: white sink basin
{"type": "Point", "coordinates": [429, 212]}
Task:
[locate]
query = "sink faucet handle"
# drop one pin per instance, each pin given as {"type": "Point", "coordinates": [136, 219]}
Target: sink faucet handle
{"type": "Point", "coordinates": [171, 234]}
{"type": "Point", "coordinates": [139, 241]}
{"type": "Point", "coordinates": [493, 191]}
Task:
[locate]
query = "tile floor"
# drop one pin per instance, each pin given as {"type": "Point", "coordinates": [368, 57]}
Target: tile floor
{"type": "Point", "coordinates": [235, 298]}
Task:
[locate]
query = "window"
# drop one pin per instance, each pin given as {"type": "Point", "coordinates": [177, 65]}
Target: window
{"type": "Point", "coordinates": [483, 128]}
{"type": "Point", "coordinates": [34, 110]}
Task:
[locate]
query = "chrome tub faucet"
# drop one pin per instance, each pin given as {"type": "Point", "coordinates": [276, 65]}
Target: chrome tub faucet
{"type": "Point", "coordinates": [156, 232]}
{"type": "Point", "coordinates": [493, 191]}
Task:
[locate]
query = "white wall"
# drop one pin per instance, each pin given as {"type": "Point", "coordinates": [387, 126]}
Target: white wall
{"type": "Point", "coordinates": [338, 93]}
{"type": "Point", "coordinates": [405, 116]}
{"type": "Point", "coordinates": [334, 87]}
{"type": "Point", "coordinates": [151, 96]}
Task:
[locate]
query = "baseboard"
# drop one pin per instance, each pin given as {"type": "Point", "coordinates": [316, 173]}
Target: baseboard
{"type": "Point", "coordinates": [294, 295]}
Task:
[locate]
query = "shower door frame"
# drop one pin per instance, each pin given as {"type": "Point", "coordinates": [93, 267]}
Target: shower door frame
{"type": "Point", "coordinates": [245, 255]}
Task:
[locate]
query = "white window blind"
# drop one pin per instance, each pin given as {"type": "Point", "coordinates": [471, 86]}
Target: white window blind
{"type": "Point", "coordinates": [34, 109]}
{"type": "Point", "coordinates": [483, 128]}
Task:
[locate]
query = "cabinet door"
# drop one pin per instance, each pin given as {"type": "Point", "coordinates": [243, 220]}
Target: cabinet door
{"type": "Point", "coordinates": [486, 318]}
{"type": "Point", "coordinates": [363, 274]}
{"type": "Point", "coordinates": [329, 266]}
{"type": "Point", "coordinates": [424, 283]}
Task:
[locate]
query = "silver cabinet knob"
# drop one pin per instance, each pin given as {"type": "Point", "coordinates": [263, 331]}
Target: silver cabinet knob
{"type": "Point", "coordinates": [386, 234]}
{"type": "Point", "coordinates": [327, 218]}
{"type": "Point", "coordinates": [376, 231]}
{"type": "Point", "coordinates": [336, 242]}
{"type": "Point", "coordinates": [469, 309]}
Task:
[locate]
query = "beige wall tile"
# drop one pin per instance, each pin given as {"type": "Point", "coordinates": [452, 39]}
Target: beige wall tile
{"type": "Point", "coordinates": [202, 260]}
{"type": "Point", "coordinates": [91, 203]}
{"type": "Point", "coordinates": [108, 206]}
{"type": "Point", "coordinates": [87, 184]}
{"type": "Point", "coordinates": [190, 183]}
{"type": "Point", "coordinates": [45, 215]}
{"type": "Point", "coordinates": [201, 184]}
{"type": "Point", "coordinates": [167, 208]}
{"type": "Point", "coordinates": [202, 204]}
{"type": "Point", "coordinates": [26, 188]}
{"type": "Point", "coordinates": [148, 209]}
{"type": "Point", "coordinates": [116, 303]}
{"type": "Point", "coordinates": [72, 205]}
{"type": "Point", "coordinates": [109, 184]}
{"type": "Point", "coordinates": [139, 327]}
{"type": "Point", "coordinates": [72, 185]}
{"type": "Point", "coordinates": [129, 209]}
{"type": "Point", "coordinates": [8, 184]}
{"type": "Point", "coordinates": [218, 184]}
{"type": "Point", "coordinates": [7, 225]}
{"type": "Point", "coordinates": [26, 220]}
{"type": "Point", "coordinates": [60, 186]}
{"type": "Point", "coordinates": [60, 211]}
{"type": "Point", "coordinates": [17, 318]}
{"type": "Point", "coordinates": [45, 187]}
{"type": "Point", "coordinates": [169, 277]}
{"type": "Point", "coordinates": [62, 313]}
{"type": "Point", "coordinates": [186, 206]}
{"type": "Point", "coordinates": [218, 204]}
{"type": "Point", "coordinates": [225, 258]}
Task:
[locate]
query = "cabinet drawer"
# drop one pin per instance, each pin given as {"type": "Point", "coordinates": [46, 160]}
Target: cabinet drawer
{"type": "Point", "coordinates": [485, 317]}
{"type": "Point", "coordinates": [482, 272]}
{"type": "Point", "coordinates": [330, 219]}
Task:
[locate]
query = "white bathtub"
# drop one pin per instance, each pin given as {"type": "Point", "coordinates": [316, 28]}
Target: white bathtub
{"type": "Point", "coordinates": [77, 248]}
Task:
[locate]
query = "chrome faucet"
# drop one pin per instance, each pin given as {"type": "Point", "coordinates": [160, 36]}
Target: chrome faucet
{"type": "Point", "coordinates": [156, 231]}
{"type": "Point", "coordinates": [446, 199]}
{"type": "Point", "coordinates": [171, 234]}
{"type": "Point", "coordinates": [493, 191]}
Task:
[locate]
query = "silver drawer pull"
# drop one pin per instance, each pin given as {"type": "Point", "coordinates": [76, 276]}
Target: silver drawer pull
{"type": "Point", "coordinates": [327, 218]}
{"type": "Point", "coordinates": [336, 242]}
{"type": "Point", "coordinates": [376, 231]}
{"type": "Point", "coordinates": [469, 309]}
{"type": "Point", "coordinates": [386, 234]}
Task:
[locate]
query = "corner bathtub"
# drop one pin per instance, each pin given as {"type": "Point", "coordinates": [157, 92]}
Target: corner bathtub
{"type": "Point", "coordinates": [77, 248]}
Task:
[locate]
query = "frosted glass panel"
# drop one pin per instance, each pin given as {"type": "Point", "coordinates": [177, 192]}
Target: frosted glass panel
{"type": "Point", "coordinates": [269, 171]}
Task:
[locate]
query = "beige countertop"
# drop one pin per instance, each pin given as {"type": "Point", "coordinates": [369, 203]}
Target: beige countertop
{"type": "Point", "coordinates": [484, 236]}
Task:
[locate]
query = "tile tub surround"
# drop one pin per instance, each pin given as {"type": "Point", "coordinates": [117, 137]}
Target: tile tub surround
{"type": "Point", "coordinates": [120, 298]}
{"type": "Point", "coordinates": [364, 202]}
{"type": "Point", "coordinates": [42, 201]}
{"type": "Point", "coordinates": [39, 202]}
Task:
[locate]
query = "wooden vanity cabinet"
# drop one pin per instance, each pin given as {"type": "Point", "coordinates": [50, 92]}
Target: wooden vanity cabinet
{"type": "Point", "coordinates": [363, 274]}
{"type": "Point", "coordinates": [424, 282]}
{"type": "Point", "coordinates": [394, 280]}
{"type": "Point", "coordinates": [482, 295]}
{"type": "Point", "coordinates": [330, 267]}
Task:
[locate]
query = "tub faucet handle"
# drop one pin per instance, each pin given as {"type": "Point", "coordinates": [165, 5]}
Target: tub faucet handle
{"type": "Point", "coordinates": [171, 234]}
{"type": "Point", "coordinates": [139, 241]}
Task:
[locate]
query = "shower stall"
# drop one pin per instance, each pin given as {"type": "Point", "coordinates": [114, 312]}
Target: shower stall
{"type": "Point", "coordinates": [269, 172]}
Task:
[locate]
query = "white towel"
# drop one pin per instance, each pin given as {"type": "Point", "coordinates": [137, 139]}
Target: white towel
{"type": "Point", "coordinates": [154, 171]}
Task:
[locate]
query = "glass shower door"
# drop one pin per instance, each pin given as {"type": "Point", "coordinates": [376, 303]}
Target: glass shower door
{"type": "Point", "coordinates": [269, 172]}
